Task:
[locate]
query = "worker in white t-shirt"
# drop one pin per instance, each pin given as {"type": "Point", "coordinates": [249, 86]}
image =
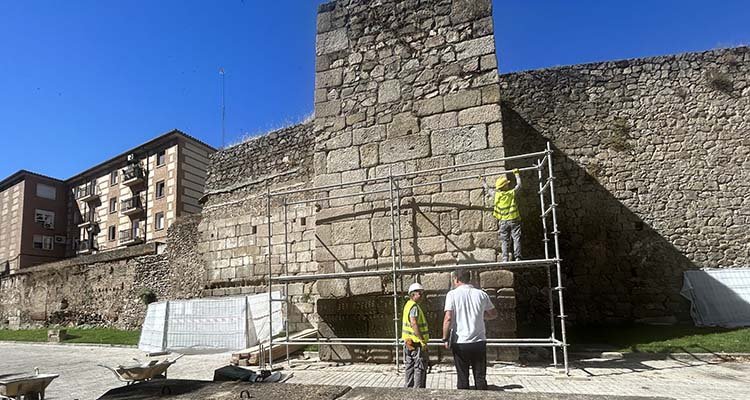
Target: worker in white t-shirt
{"type": "Point", "coordinates": [466, 309]}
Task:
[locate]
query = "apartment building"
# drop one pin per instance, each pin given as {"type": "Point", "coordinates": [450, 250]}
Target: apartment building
{"type": "Point", "coordinates": [129, 199]}
{"type": "Point", "coordinates": [32, 220]}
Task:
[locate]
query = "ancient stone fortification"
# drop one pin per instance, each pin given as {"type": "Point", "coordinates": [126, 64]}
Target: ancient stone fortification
{"type": "Point", "coordinates": [653, 167]}
{"type": "Point", "coordinates": [104, 289]}
{"type": "Point", "coordinates": [401, 86]}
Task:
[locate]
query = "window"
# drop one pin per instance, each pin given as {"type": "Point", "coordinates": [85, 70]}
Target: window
{"type": "Point", "coordinates": [113, 205]}
{"type": "Point", "coordinates": [46, 191]}
{"type": "Point", "coordinates": [45, 218]}
{"type": "Point", "coordinates": [44, 242]}
{"type": "Point", "coordinates": [113, 178]}
{"type": "Point", "coordinates": [161, 157]}
{"type": "Point", "coordinates": [159, 221]}
{"type": "Point", "coordinates": [159, 189]}
{"type": "Point", "coordinates": [112, 233]}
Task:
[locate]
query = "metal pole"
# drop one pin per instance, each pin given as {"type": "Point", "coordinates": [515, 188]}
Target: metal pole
{"type": "Point", "coordinates": [509, 265]}
{"type": "Point", "coordinates": [286, 284]}
{"type": "Point", "coordinates": [393, 270]}
{"type": "Point", "coordinates": [545, 242]}
{"type": "Point", "coordinates": [398, 230]}
{"type": "Point", "coordinates": [556, 234]}
{"type": "Point", "coordinates": [270, 276]}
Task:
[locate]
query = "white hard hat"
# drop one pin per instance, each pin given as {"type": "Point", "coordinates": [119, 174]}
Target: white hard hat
{"type": "Point", "coordinates": [415, 286]}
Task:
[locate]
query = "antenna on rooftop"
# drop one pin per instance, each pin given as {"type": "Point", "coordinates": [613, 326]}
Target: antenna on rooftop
{"type": "Point", "coordinates": [223, 105]}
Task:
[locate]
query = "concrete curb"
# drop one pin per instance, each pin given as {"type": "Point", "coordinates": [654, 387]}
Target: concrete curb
{"type": "Point", "coordinates": [125, 346]}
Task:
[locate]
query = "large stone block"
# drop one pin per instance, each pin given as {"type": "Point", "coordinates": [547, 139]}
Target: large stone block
{"type": "Point", "coordinates": [365, 285]}
{"type": "Point", "coordinates": [459, 140]}
{"type": "Point", "coordinates": [440, 121]}
{"type": "Point", "coordinates": [332, 288]}
{"type": "Point", "coordinates": [462, 100]}
{"type": "Point", "coordinates": [403, 124]}
{"type": "Point", "coordinates": [368, 135]}
{"type": "Point", "coordinates": [368, 155]}
{"type": "Point", "coordinates": [330, 78]}
{"type": "Point", "coordinates": [438, 281]}
{"type": "Point", "coordinates": [496, 279]}
{"type": "Point", "coordinates": [480, 115]}
{"type": "Point", "coordinates": [470, 10]}
{"type": "Point", "coordinates": [389, 91]}
{"type": "Point", "coordinates": [356, 231]}
{"type": "Point", "coordinates": [428, 106]}
{"type": "Point", "coordinates": [475, 47]}
{"type": "Point", "coordinates": [328, 108]}
{"type": "Point", "coordinates": [404, 148]}
{"type": "Point", "coordinates": [343, 159]}
{"type": "Point", "coordinates": [470, 220]}
{"type": "Point", "coordinates": [332, 41]}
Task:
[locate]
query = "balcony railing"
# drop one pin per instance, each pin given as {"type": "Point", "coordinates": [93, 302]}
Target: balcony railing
{"type": "Point", "coordinates": [131, 205]}
{"type": "Point", "coordinates": [87, 192]}
{"type": "Point", "coordinates": [130, 236]}
{"type": "Point", "coordinates": [132, 174]}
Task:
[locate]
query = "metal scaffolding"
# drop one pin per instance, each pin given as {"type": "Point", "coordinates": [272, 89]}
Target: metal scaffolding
{"type": "Point", "coordinates": [397, 184]}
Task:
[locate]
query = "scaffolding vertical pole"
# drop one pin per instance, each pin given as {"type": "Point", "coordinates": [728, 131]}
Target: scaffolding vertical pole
{"type": "Point", "coordinates": [556, 234]}
{"type": "Point", "coordinates": [393, 270]}
{"type": "Point", "coordinates": [270, 280]}
{"type": "Point", "coordinates": [398, 227]}
{"type": "Point", "coordinates": [285, 313]}
{"type": "Point", "coordinates": [547, 268]}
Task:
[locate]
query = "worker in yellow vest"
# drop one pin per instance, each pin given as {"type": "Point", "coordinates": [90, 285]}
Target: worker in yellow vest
{"type": "Point", "coordinates": [415, 334]}
{"type": "Point", "coordinates": [505, 209]}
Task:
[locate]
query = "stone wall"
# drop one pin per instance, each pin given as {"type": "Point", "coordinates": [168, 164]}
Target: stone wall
{"type": "Point", "coordinates": [104, 289]}
{"type": "Point", "coordinates": [652, 158]}
{"type": "Point", "coordinates": [403, 86]}
{"type": "Point", "coordinates": [233, 235]}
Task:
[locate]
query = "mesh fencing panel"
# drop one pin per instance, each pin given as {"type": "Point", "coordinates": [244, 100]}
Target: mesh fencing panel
{"type": "Point", "coordinates": [719, 297]}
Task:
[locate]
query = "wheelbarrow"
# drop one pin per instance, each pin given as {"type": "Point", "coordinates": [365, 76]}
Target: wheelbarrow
{"type": "Point", "coordinates": [25, 386]}
{"type": "Point", "coordinates": [143, 371]}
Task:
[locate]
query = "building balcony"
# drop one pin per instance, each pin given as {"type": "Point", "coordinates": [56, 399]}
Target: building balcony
{"type": "Point", "coordinates": [133, 175]}
{"type": "Point", "coordinates": [130, 236]}
{"type": "Point", "coordinates": [87, 193]}
{"type": "Point", "coordinates": [86, 246]}
{"type": "Point", "coordinates": [131, 206]}
{"type": "Point", "coordinates": [88, 220]}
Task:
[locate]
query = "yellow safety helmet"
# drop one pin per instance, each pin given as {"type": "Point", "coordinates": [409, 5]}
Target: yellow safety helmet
{"type": "Point", "coordinates": [501, 182]}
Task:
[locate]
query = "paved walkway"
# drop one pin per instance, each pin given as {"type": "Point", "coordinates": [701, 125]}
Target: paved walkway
{"type": "Point", "coordinates": [696, 378]}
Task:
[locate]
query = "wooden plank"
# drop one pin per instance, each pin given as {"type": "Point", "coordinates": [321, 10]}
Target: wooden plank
{"type": "Point", "coordinates": [251, 356]}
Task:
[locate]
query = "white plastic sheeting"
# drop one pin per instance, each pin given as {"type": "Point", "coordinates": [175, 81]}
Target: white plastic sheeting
{"type": "Point", "coordinates": [719, 297]}
{"type": "Point", "coordinates": [210, 325]}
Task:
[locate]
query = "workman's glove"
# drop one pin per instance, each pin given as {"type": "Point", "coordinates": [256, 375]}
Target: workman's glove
{"type": "Point", "coordinates": [516, 171]}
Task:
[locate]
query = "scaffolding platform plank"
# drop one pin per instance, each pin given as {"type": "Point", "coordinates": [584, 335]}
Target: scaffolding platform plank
{"type": "Point", "coordinates": [251, 355]}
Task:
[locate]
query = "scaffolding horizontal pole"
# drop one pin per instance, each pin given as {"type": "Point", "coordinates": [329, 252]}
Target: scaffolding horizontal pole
{"type": "Point", "coordinates": [438, 341]}
{"type": "Point", "coordinates": [377, 191]}
{"type": "Point", "coordinates": [463, 178]}
{"type": "Point", "coordinates": [417, 270]}
{"type": "Point", "coordinates": [432, 343]}
{"type": "Point", "coordinates": [410, 174]}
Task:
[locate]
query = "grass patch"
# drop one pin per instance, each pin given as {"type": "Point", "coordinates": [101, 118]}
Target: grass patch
{"type": "Point", "coordinates": [657, 339]}
{"type": "Point", "coordinates": [94, 335]}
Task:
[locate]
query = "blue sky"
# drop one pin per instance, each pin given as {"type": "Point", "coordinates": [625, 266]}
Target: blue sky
{"type": "Point", "coordinates": [82, 81]}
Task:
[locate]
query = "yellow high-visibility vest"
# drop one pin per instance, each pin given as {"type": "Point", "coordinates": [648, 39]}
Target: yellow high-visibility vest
{"type": "Point", "coordinates": [406, 331]}
{"type": "Point", "coordinates": [505, 205]}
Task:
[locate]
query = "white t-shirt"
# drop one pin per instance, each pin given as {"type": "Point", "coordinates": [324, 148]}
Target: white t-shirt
{"type": "Point", "coordinates": [468, 305]}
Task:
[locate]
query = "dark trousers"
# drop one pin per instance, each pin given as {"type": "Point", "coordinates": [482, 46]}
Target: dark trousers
{"type": "Point", "coordinates": [472, 355]}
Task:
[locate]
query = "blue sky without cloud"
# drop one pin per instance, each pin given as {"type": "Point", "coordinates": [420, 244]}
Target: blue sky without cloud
{"type": "Point", "coordinates": [84, 80]}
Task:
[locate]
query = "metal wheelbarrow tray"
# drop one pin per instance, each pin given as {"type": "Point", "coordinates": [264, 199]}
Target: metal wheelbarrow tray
{"type": "Point", "coordinates": [22, 384]}
{"type": "Point", "coordinates": [141, 372]}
